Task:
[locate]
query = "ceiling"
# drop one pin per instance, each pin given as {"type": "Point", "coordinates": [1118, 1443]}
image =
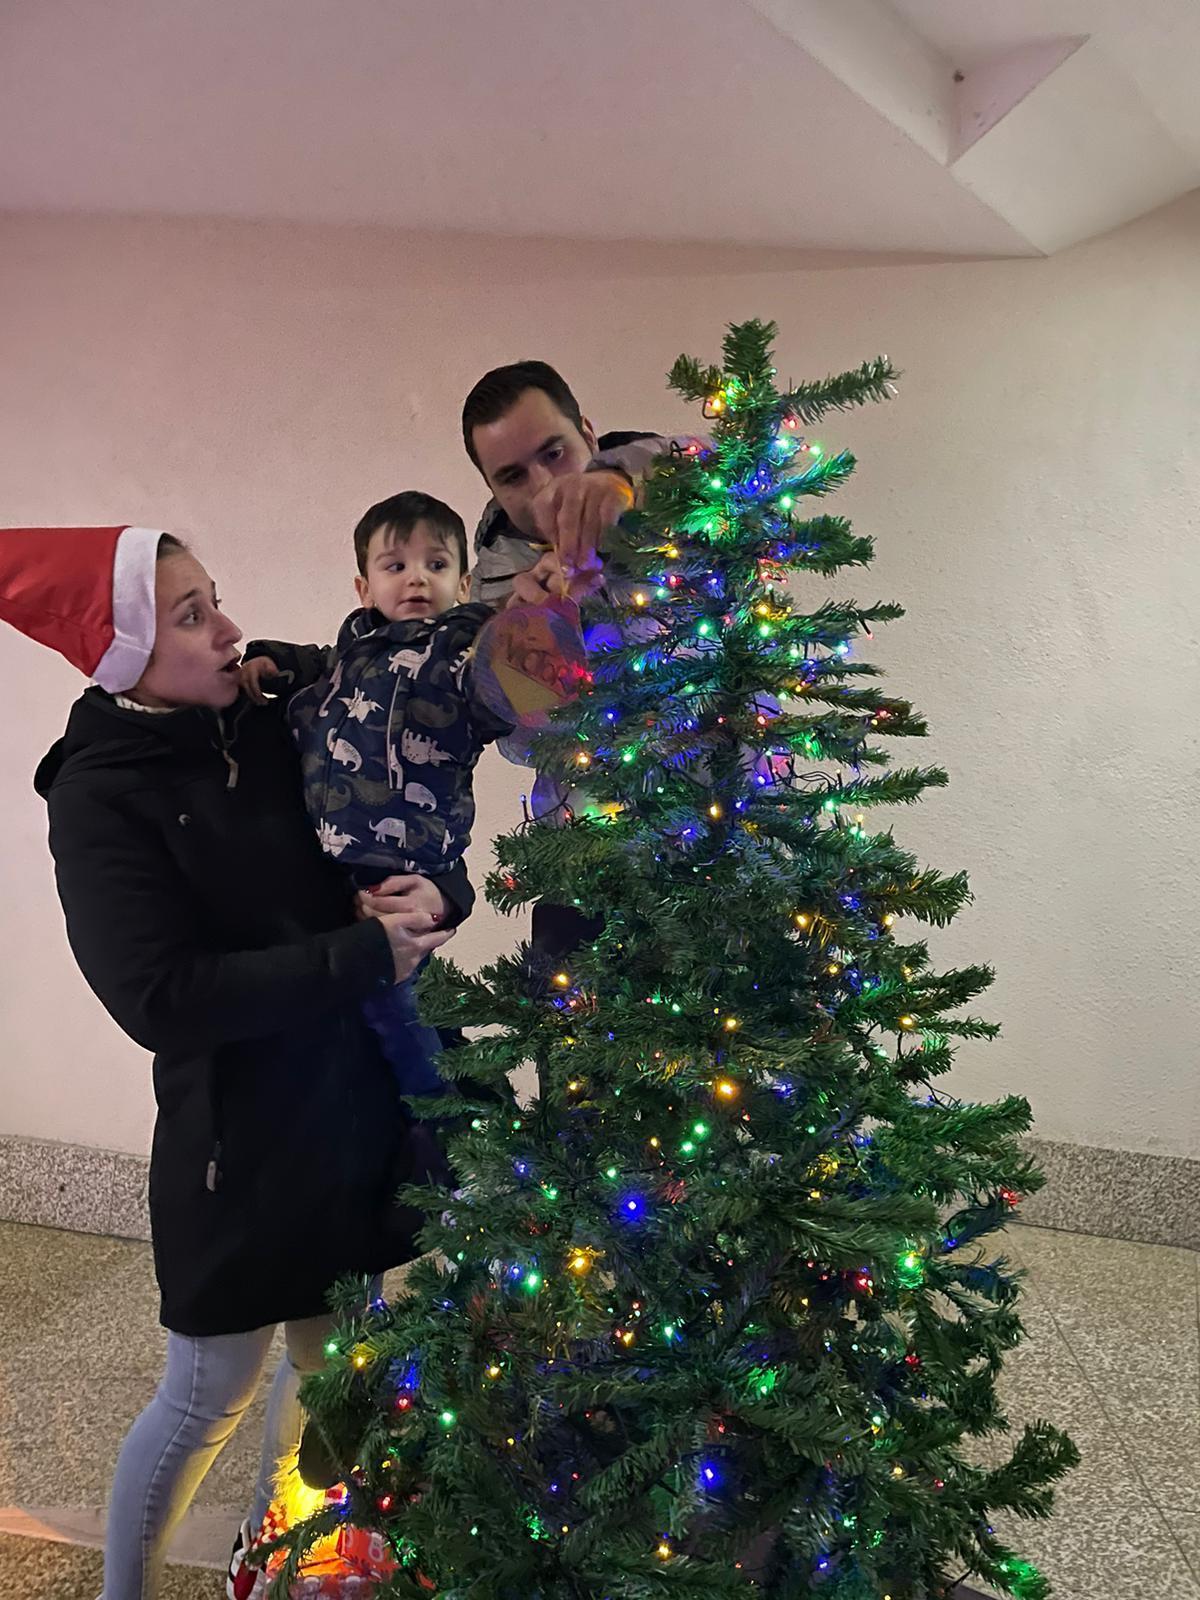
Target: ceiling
{"type": "Point", "coordinates": [940, 127]}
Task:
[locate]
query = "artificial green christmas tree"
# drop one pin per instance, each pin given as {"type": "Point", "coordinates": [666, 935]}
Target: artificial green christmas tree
{"type": "Point", "coordinates": [715, 1309]}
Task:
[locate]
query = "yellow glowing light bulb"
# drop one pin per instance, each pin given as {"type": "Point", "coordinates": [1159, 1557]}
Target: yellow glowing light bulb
{"type": "Point", "coordinates": [908, 1022]}
{"type": "Point", "coordinates": [664, 1551]}
{"type": "Point", "coordinates": [833, 969]}
{"type": "Point", "coordinates": [716, 403]}
{"type": "Point", "coordinates": [672, 553]}
{"type": "Point", "coordinates": [493, 1371]}
{"type": "Point", "coordinates": [627, 1338]}
{"type": "Point", "coordinates": [714, 811]}
{"type": "Point", "coordinates": [583, 759]}
{"type": "Point", "coordinates": [897, 1472]}
{"type": "Point", "coordinates": [655, 1143]}
{"type": "Point", "coordinates": [889, 919]}
{"type": "Point", "coordinates": [730, 1024]}
{"type": "Point", "coordinates": [727, 1089]}
{"type": "Point", "coordinates": [580, 1262]}
{"type": "Point", "coordinates": [295, 1500]}
{"type": "Point", "coordinates": [563, 980]}
{"type": "Point", "coordinates": [639, 599]}
{"type": "Point", "coordinates": [762, 610]}
{"type": "Point", "coordinates": [803, 920]}
{"type": "Point", "coordinates": [575, 1085]}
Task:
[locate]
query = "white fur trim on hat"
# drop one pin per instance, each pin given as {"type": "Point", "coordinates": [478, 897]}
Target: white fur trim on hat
{"type": "Point", "coordinates": [123, 663]}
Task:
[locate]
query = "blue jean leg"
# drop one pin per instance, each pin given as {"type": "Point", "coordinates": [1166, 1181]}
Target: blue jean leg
{"type": "Point", "coordinates": [204, 1393]}
{"type": "Point", "coordinates": [410, 1046]}
{"type": "Point", "coordinates": [205, 1390]}
{"type": "Point", "coordinates": [304, 1354]}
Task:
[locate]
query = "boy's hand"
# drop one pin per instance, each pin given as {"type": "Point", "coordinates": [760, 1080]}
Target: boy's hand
{"type": "Point", "coordinates": [252, 674]}
{"type": "Point", "coordinates": [573, 513]}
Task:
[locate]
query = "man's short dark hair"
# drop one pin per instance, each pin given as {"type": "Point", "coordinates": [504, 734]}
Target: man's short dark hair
{"type": "Point", "coordinates": [400, 513]}
{"type": "Point", "coordinates": [498, 391]}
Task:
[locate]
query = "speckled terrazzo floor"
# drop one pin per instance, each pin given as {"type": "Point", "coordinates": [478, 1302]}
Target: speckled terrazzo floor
{"type": "Point", "coordinates": [1113, 1355]}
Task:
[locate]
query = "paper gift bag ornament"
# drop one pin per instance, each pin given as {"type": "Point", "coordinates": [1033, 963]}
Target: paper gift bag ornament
{"type": "Point", "coordinates": [529, 660]}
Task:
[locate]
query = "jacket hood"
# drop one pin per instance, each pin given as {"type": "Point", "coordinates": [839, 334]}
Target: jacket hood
{"type": "Point", "coordinates": [100, 733]}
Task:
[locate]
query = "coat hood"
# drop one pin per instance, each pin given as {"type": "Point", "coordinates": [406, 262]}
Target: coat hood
{"type": "Point", "coordinates": [101, 733]}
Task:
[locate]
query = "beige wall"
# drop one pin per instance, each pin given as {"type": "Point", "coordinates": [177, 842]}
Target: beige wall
{"type": "Point", "coordinates": [1034, 492]}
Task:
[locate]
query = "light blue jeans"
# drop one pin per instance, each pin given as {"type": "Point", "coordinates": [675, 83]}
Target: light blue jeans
{"type": "Point", "coordinates": [205, 1390]}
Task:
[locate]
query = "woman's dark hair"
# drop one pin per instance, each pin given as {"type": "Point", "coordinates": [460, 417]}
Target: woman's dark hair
{"type": "Point", "coordinates": [400, 514]}
{"type": "Point", "coordinates": [498, 391]}
{"type": "Point", "coordinates": [169, 545]}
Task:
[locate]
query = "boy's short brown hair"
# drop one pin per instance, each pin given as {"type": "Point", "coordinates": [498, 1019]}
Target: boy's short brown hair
{"type": "Point", "coordinates": [400, 513]}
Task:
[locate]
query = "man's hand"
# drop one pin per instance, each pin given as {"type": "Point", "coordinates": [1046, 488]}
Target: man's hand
{"type": "Point", "coordinates": [548, 578]}
{"type": "Point", "coordinates": [418, 902]}
{"type": "Point", "coordinates": [574, 511]}
{"type": "Point", "coordinates": [252, 674]}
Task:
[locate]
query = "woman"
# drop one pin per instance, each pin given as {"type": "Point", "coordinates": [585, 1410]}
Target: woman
{"type": "Point", "coordinates": [204, 915]}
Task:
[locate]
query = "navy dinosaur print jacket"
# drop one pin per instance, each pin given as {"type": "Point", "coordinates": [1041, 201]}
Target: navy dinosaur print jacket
{"type": "Point", "coordinates": [389, 732]}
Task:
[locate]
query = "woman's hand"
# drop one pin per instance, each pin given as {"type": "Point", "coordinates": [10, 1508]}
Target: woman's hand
{"type": "Point", "coordinates": [417, 901]}
{"type": "Point", "coordinates": [409, 949]}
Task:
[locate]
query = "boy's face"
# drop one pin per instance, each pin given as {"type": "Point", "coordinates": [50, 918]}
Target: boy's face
{"type": "Point", "coordinates": [525, 449]}
{"type": "Point", "coordinates": [412, 576]}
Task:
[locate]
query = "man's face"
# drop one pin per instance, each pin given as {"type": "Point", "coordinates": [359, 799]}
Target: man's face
{"type": "Point", "coordinates": [529, 445]}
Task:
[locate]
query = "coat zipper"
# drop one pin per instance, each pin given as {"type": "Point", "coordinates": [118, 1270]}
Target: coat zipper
{"type": "Point", "coordinates": [213, 1173]}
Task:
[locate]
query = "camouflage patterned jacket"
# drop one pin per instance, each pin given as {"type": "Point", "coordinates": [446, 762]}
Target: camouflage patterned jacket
{"type": "Point", "coordinates": [389, 732]}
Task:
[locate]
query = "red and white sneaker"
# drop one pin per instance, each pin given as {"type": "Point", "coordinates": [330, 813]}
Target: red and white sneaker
{"type": "Point", "coordinates": [244, 1581]}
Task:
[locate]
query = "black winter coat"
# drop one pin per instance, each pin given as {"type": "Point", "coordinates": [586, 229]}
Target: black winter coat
{"type": "Point", "coordinates": [204, 915]}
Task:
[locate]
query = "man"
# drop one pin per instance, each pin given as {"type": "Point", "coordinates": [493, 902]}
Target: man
{"type": "Point", "coordinates": [553, 482]}
{"type": "Point", "coordinates": [558, 491]}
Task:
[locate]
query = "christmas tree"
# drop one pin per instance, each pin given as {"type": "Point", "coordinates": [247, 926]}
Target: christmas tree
{"type": "Point", "coordinates": [715, 1309]}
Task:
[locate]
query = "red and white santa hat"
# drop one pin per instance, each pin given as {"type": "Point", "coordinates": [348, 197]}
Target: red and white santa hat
{"type": "Point", "coordinates": [87, 593]}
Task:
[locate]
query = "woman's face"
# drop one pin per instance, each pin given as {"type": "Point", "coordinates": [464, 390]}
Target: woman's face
{"type": "Point", "coordinates": [195, 657]}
